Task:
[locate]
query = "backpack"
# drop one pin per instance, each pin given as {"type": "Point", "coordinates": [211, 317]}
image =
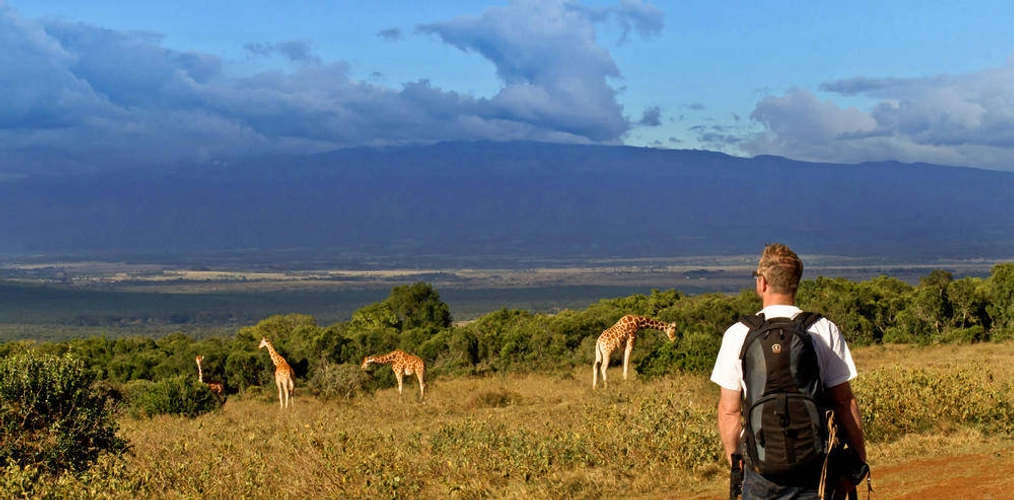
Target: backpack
{"type": "Point", "coordinates": [784, 404]}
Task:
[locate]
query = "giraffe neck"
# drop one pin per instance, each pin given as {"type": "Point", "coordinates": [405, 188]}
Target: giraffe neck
{"type": "Point", "coordinates": [200, 374]}
{"type": "Point", "coordinates": [385, 358]}
{"type": "Point", "coordinates": [275, 357]}
{"type": "Point", "coordinates": [643, 322]}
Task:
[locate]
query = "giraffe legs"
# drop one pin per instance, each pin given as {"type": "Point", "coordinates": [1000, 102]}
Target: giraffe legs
{"type": "Point", "coordinates": [601, 364]}
{"type": "Point", "coordinates": [399, 376]}
{"type": "Point", "coordinates": [422, 385]}
{"type": "Point", "coordinates": [626, 357]}
{"type": "Point", "coordinates": [285, 387]}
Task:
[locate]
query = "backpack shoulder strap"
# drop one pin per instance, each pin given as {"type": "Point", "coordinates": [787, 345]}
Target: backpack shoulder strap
{"type": "Point", "coordinates": [805, 320]}
{"type": "Point", "coordinates": [754, 322]}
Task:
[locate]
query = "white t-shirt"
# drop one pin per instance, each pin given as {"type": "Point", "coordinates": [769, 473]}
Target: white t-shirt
{"type": "Point", "coordinates": [836, 365]}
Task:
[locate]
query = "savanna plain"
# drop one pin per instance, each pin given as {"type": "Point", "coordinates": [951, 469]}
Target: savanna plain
{"type": "Point", "coordinates": [553, 436]}
{"type": "Point", "coordinates": [939, 420]}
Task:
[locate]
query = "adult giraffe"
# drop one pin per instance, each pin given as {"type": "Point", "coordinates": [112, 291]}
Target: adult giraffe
{"type": "Point", "coordinates": [403, 364]}
{"type": "Point", "coordinates": [284, 376]}
{"type": "Point", "coordinates": [624, 332]}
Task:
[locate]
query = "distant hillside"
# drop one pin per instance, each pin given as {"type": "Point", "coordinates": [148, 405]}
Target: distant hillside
{"type": "Point", "coordinates": [516, 200]}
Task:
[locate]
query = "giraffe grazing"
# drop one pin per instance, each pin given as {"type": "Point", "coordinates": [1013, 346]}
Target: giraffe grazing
{"type": "Point", "coordinates": [403, 364]}
{"type": "Point", "coordinates": [623, 333]}
{"type": "Point", "coordinates": [284, 376]}
{"type": "Point", "coordinates": [216, 387]}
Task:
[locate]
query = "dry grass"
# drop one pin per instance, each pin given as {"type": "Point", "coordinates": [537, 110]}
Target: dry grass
{"type": "Point", "coordinates": [518, 436]}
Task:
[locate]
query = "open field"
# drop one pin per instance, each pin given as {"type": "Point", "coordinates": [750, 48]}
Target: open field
{"type": "Point", "coordinates": [546, 435]}
{"type": "Point", "coordinates": [51, 300]}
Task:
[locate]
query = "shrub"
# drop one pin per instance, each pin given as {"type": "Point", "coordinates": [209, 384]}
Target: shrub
{"type": "Point", "coordinates": [338, 381]}
{"type": "Point", "coordinates": [501, 397]}
{"type": "Point", "coordinates": [903, 401]}
{"type": "Point", "coordinates": [964, 335]}
{"type": "Point", "coordinates": [179, 395]}
{"type": "Point", "coordinates": [52, 417]}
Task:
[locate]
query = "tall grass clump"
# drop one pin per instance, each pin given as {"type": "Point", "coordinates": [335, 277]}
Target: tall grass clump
{"type": "Point", "coordinates": [53, 419]}
{"type": "Point", "coordinates": [338, 382]}
{"type": "Point", "coordinates": [918, 400]}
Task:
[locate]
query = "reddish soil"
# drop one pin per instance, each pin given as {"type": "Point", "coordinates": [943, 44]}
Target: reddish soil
{"type": "Point", "coordinates": [964, 476]}
{"type": "Point", "coordinates": [979, 476]}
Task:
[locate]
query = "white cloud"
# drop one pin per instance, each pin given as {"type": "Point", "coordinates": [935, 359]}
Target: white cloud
{"type": "Point", "coordinates": [74, 94]}
{"type": "Point", "coordinates": [965, 120]}
{"type": "Point", "coordinates": [554, 72]}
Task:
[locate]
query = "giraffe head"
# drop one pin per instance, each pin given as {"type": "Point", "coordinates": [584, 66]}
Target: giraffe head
{"type": "Point", "coordinates": [264, 343]}
{"type": "Point", "coordinates": [199, 359]}
{"type": "Point", "coordinates": [670, 331]}
{"type": "Point", "coordinates": [366, 361]}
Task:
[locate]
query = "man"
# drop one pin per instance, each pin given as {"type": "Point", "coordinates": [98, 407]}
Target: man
{"type": "Point", "coordinates": [777, 278]}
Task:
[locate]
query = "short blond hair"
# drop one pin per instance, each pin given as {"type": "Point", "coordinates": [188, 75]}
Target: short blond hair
{"type": "Point", "coordinates": [781, 268]}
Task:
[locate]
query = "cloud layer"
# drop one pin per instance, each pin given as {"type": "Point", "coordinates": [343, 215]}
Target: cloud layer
{"type": "Point", "coordinates": [965, 120]}
{"type": "Point", "coordinates": [73, 95]}
{"type": "Point", "coordinates": [79, 96]}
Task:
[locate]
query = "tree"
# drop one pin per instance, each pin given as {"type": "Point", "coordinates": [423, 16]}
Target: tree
{"type": "Point", "coordinates": [293, 335]}
{"type": "Point", "coordinates": [418, 306]}
{"type": "Point", "coordinates": [968, 297]}
{"type": "Point", "coordinates": [930, 303]}
{"type": "Point", "coordinates": [1001, 301]}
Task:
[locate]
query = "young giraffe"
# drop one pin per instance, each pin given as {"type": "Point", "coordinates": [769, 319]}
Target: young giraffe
{"type": "Point", "coordinates": [216, 387]}
{"type": "Point", "coordinates": [624, 332]}
{"type": "Point", "coordinates": [403, 364]}
{"type": "Point", "coordinates": [284, 376]}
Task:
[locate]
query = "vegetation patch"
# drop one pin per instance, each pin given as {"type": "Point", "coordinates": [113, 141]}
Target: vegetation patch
{"type": "Point", "coordinates": [52, 418]}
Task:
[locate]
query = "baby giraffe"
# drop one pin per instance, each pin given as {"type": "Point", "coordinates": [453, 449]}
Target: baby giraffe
{"type": "Point", "coordinates": [216, 387]}
{"type": "Point", "coordinates": [403, 364]}
{"type": "Point", "coordinates": [284, 376]}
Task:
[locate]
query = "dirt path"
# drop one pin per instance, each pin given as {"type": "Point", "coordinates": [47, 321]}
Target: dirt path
{"type": "Point", "coordinates": [962, 476]}
{"type": "Point", "coordinates": [966, 476]}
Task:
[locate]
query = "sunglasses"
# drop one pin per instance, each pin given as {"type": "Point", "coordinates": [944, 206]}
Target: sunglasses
{"type": "Point", "coordinates": [756, 274]}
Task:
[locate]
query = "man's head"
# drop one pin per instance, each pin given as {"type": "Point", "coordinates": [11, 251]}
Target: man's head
{"type": "Point", "coordinates": [781, 268]}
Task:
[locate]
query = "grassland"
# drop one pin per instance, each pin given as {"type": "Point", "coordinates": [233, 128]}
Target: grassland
{"type": "Point", "coordinates": [546, 435]}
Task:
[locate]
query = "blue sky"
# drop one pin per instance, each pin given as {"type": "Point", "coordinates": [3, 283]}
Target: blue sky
{"type": "Point", "coordinates": [102, 83]}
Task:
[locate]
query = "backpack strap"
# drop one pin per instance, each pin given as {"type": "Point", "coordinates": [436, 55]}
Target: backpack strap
{"type": "Point", "coordinates": [753, 322]}
{"type": "Point", "coordinates": [805, 320]}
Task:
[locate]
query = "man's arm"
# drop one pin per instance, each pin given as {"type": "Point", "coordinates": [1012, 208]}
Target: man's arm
{"type": "Point", "coordinates": [847, 409]}
{"type": "Point", "coordinates": [729, 424]}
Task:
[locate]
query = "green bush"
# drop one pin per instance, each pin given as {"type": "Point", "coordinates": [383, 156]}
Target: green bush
{"type": "Point", "coordinates": [52, 417]}
{"type": "Point", "coordinates": [344, 381]}
{"type": "Point", "coordinates": [968, 335]}
{"type": "Point", "coordinates": [179, 395]}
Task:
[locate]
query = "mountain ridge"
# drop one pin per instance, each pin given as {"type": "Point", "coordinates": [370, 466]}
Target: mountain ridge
{"type": "Point", "coordinates": [516, 199]}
